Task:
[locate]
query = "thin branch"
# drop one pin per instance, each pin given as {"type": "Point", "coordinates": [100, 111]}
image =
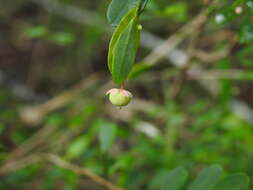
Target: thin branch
{"type": "Point", "coordinates": [33, 142]}
{"type": "Point", "coordinates": [81, 171]}
{"type": "Point", "coordinates": [182, 76]}
{"type": "Point", "coordinates": [86, 17]}
{"type": "Point", "coordinates": [215, 74]}
{"type": "Point", "coordinates": [209, 57]}
{"type": "Point", "coordinates": [19, 164]}
{"type": "Point", "coordinates": [33, 115]}
{"type": "Point", "coordinates": [177, 57]}
{"type": "Point", "coordinates": [56, 160]}
{"type": "Point", "coordinates": [72, 13]}
{"type": "Point", "coordinates": [172, 42]}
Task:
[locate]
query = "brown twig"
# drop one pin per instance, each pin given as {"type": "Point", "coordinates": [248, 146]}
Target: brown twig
{"type": "Point", "coordinates": [209, 57]}
{"type": "Point", "coordinates": [19, 163]}
{"type": "Point", "coordinates": [214, 74]}
{"type": "Point", "coordinates": [36, 140]}
{"type": "Point", "coordinates": [56, 160]}
{"type": "Point", "coordinates": [182, 76]}
{"type": "Point", "coordinates": [81, 171]}
{"type": "Point", "coordinates": [149, 40]}
{"type": "Point", "coordinates": [172, 42]}
{"type": "Point", "coordinates": [33, 115]}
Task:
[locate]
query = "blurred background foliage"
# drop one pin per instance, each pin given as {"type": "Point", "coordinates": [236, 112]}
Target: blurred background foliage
{"type": "Point", "coordinates": [53, 77]}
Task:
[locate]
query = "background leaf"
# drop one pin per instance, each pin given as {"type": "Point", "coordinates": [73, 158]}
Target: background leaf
{"type": "Point", "coordinates": [77, 147]}
{"type": "Point", "coordinates": [207, 179]}
{"type": "Point", "coordinates": [107, 134]}
{"type": "Point", "coordinates": [36, 31]}
{"type": "Point", "coordinates": [246, 32]}
{"type": "Point", "coordinates": [233, 182]}
{"type": "Point", "coordinates": [175, 179]}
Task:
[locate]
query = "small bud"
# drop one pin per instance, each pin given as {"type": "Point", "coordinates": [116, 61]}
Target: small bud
{"type": "Point", "coordinates": [238, 10]}
{"type": "Point", "coordinates": [119, 97]}
{"type": "Point", "coordinates": [139, 27]}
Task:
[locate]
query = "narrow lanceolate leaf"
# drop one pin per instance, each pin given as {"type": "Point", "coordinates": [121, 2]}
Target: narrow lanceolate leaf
{"type": "Point", "coordinates": [124, 52]}
{"type": "Point", "coordinates": [119, 8]}
{"type": "Point", "coordinates": [118, 31]}
{"type": "Point", "coordinates": [207, 179]}
{"type": "Point", "coordinates": [175, 179]}
{"type": "Point", "coordinates": [233, 182]}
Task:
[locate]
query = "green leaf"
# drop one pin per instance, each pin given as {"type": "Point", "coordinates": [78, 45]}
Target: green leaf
{"type": "Point", "coordinates": [138, 69]}
{"type": "Point", "coordinates": [249, 4]}
{"type": "Point", "coordinates": [107, 134]}
{"type": "Point", "coordinates": [143, 4]}
{"type": "Point", "coordinates": [62, 38]}
{"type": "Point", "coordinates": [207, 179]}
{"type": "Point", "coordinates": [233, 182]}
{"type": "Point", "coordinates": [246, 32]}
{"type": "Point", "coordinates": [2, 128]}
{"type": "Point", "coordinates": [226, 16]}
{"type": "Point", "coordinates": [122, 163]}
{"type": "Point", "coordinates": [177, 11]}
{"type": "Point", "coordinates": [237, 3]}
{"type": "Point", "coordinates": [123, 47]}
{"type": "Point", "coordinates": [158, 180]}
{"type": "Point", "coordinates": [245, 55]}
{"type": "Point", "coordinates": [36, 31]}
{"type": "Point", "coordinates": [119, 8]}
{"type": "Point", "coordinates": [175, 179]}
{"type": "Point", "coordinates": [77, 147]}
{"type": "Point", "coordinates": [124, 52]}
{"type": "Point", "coordinates": [122, 26]}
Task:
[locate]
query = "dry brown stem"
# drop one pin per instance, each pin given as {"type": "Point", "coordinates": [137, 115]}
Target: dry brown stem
{"type": "Point", "coordinates": [56, 160]}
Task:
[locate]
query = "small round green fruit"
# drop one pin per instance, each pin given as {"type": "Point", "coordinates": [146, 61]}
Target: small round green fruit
{"type": "Point", "coordinates": [119, 97]}
{"type": "Point", "coordinates": [139, 27]}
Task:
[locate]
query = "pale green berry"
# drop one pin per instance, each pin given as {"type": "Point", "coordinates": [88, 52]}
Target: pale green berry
{"type": "Point", "coordinates": [119, 97]}
{"type": "Point", "coordinates": [139, 27]}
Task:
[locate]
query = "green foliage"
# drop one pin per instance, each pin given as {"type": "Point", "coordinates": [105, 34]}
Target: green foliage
{"type": "Point", "coordinates": [107, 134]}
{"type": "Point", "coordinates": [175, 179]}
{"type": "Point", "coordinates": [132, 14]}
{"type": "Point", "coordinates": [244, 55]}
{"type": "Point", "coordinates": [125, 40]}
{"type": "Point", "coordinates": [77, 147]}
{"type": "Point", "coordinates": [124, 52]}
{"type": "Point", "coordinates": [42, 32]}
{"type": "Point", "coordinates": [207, 179]}
{"type": "Point", "coordinates": [246, 32]}
{"type": "Point", "coordinates": [36, 31]}
{"type": "Point", "coordinates": [229, 14]}
{"type": "Point", "coordinates": [118, 9]}
{"type": "Point", "coordinates": [233, 182]}
{"type": "Point", "coordinates": [143, 5]}
{"type": "Point", "coordinates": [62, 38]}
{"type": "Point", "coordinates": [176, 11]}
